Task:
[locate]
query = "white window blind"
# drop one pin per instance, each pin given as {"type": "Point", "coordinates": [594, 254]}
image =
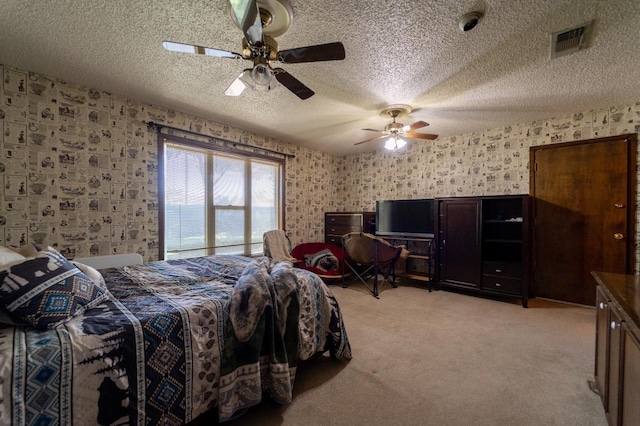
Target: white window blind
{"type": "Point", "coordinates": [218, 203]}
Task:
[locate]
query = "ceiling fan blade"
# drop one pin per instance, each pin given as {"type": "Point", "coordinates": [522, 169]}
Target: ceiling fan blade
{"type": "Point", "coordinates": [419, 136]}
{"type": "Point", "coordinates": [414, 126]}
{"type": "Point", "coordinates": [320, 52]}
{"type": "Point", "coordinates": [292, 83]}
{"type": "Point", "coordinates": [248, 16]}
{"type": "Point", "coordinates": [241, 82]}
{"type": "Point", "coordinates": [374, 130]}
{"type": "Point", "coordinates": [199, 50]}
{"type": "Point", "coordinates": [372, 139]}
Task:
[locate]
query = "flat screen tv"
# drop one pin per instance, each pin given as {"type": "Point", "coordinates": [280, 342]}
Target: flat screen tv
{"type": "Point", "coordinates": [405, 218]}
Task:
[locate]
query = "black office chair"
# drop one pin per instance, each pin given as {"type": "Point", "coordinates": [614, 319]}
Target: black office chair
{"type": "Point", "coordinates": [370, 257]}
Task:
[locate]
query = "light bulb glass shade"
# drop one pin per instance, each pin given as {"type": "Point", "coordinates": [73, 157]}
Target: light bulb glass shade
{"type": "Point", "coordinates": [394, 143]}
{"type": "Point", "coordinates": [390, 144]}
{"type": "Point", "coordinates": [261, 75]}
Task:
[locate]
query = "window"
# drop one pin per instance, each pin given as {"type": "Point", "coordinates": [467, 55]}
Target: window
{"type": "Point", "coordinates": [217, 202]}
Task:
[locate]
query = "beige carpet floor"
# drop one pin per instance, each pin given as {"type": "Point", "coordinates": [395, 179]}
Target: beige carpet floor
{"type": "Point", "coordinates": [443, 358]}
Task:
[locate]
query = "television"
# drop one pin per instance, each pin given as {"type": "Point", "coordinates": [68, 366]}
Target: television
{"type": "Point", "coordinates": [405, 218]}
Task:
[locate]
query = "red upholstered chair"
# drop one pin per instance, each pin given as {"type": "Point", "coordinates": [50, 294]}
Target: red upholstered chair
{"type": "Point", "coordinates": [311, 249]}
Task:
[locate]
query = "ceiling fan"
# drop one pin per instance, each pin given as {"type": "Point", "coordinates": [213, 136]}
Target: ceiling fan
{"type": "Point", "coordinates": [261, 21]}
{"type": "Point", "coordinates": [394, 132]}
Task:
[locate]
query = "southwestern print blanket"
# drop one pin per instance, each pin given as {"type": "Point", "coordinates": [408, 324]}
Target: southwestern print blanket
{"type": "Point", "coordinates": [172, 340]}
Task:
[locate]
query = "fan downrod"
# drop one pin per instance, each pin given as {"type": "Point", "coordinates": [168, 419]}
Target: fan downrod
{"type": "Point", "coordinates": [275, 15]}
{"type": "Point", "coordinates": [394, 111]}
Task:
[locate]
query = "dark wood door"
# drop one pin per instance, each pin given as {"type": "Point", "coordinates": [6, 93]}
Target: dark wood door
{"type": "Point", "coordinates": [459, 242]}
{"type": "Point", "coordinates": [583, 215]}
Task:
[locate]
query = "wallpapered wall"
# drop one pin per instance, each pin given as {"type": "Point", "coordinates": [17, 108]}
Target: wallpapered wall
{"type": "Point", "coordinates": [79, 171]}
{"type": "Point", "coordinates": [494, 162]}
{"type": "Point", "coordinates": [78, 166]}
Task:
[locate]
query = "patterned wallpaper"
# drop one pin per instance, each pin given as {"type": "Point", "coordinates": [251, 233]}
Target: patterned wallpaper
{"type": "Point", "coordinates": [79, 171]}
{"type": "Point", "coordinates": [78, 166]}
{"type": "Point", "coordinates": [494, 162]}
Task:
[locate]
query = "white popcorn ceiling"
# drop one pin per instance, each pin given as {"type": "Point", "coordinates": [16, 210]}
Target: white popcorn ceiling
{"type": "Point", "coordinates": [397, 52]}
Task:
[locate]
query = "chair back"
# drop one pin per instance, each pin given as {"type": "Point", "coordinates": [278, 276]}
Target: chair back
{"type": "Point", "coordinates": [367, 248]}
{"type": "Point", "coordinates": [277, 245]}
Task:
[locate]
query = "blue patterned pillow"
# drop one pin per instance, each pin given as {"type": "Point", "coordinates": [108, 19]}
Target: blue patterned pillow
{"type": "Point", "coordinates": [46, 290]}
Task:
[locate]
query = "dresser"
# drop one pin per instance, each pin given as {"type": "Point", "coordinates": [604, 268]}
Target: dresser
{"type": "Point", "coordinates": [336, 224]}
{"type": "Point", "coordinates": [617, 360]}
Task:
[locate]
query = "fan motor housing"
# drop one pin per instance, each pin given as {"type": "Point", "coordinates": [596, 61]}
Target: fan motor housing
{"type": "Point", "coordinates": [391, 127]}
{"type": "Point", "coordinates": [269, 51]}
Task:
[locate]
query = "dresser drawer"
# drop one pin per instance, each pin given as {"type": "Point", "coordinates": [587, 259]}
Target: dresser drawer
{"type": "Point", "coordinates": [342, 229]}
{"type": "Point", "coordinates": [333, 239]}
{"type": "Point", "coordinates": [503, 269]}
{"type": "Point", "coordinates": [347, 219]}
{"type": "Point", "coordinates": [502, 284]}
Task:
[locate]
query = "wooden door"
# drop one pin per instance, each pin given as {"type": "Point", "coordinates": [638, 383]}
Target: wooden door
{"type": "Point", "coordinates": [459, 242]}
{"type": "Point", "coordinates": [584, 215]}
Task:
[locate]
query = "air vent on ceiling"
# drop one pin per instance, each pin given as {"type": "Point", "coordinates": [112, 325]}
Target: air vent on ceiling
{"type": "Point", "coordinates": [569, 41]}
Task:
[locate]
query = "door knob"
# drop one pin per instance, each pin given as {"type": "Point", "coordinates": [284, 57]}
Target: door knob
{"type": "Point", "coordinates": [618, 236]}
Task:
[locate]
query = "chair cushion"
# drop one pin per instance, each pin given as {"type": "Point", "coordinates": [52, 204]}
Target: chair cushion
{"type": "Point", "coordinates": [324, 259]}
{"type": "Point", "coordinates": [305, 250]}
{"type": "Point", "coordinates": [362, 248]}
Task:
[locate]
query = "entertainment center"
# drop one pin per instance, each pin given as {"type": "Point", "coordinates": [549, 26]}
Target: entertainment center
{"type": "Point", "coordinates": [471, 244]}
{"type": "Point", "coordinates": [483, 245]}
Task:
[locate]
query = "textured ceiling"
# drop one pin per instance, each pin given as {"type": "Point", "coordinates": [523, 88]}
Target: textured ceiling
{"type": "Point", "coordinates": [397, 52]}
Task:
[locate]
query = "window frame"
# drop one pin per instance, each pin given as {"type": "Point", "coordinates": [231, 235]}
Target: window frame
{"type": "Point", "coordinates": [221, 147]}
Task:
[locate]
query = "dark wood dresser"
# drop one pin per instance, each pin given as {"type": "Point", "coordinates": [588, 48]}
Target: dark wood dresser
{"type": "Point", "coordinates": [617, 364]}
{"type": "Point", "coordinates": [336, 224]}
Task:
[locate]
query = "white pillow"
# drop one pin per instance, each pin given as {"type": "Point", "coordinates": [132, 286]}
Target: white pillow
{"type": "Point", "coordinates": [30, 250]}
{"type": "Point", "coordinates": [8, 256]}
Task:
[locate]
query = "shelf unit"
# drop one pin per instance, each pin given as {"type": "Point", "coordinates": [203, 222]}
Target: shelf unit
{"type": "Point", "coordinates": [418, 265]}
{"type": "Point", "coordinates": [483, 245]}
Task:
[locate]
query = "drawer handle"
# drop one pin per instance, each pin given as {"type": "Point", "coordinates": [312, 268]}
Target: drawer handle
{"type": "Point", "coordinates": [498, 270]}
{"type": "Point", "coordinates": [498, 285]}
{"type": "Point", "coordinates": [613, 325]}
{"type": "Point", "coordinates": [602, 305]}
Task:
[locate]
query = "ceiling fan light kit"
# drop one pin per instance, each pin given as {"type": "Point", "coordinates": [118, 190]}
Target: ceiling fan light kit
{"type": "Point", "coordinates": [394, 143]}
{"type": "Point", "coordinates": [261, 21]}
{"type": "Point", "coordinates": [395, 132]}
{"type": "Point", "coordinates": [261, 75]}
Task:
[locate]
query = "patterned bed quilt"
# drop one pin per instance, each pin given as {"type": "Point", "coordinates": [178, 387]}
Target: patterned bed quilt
{"type": "Point", "coordinates": [170, 341]}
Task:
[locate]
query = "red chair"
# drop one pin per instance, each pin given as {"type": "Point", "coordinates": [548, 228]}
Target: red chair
{"type": "Point", "coordinates": [311, 249]}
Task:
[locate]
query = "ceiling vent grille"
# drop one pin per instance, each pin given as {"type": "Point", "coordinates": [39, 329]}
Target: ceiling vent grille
{"type": "Point", "coordinates": [569, 41]}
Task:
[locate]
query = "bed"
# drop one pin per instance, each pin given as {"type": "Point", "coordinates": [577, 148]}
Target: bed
{"type": "Point", "coordinates": [157, 343]}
